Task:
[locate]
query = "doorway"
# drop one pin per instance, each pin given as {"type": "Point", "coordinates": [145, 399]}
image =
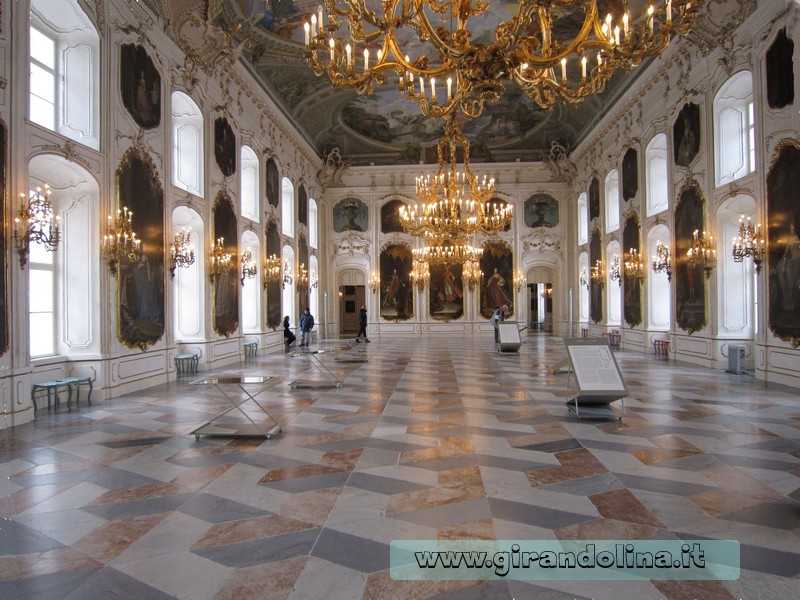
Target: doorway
{"type": "Point", "coordinates": [351, 299]}
{"type": "Point", "coordinates": [541, 295]}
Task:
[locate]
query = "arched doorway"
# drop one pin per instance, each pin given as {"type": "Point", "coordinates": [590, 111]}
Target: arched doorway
{"type": "Point", "coordinates": [352, 296]}
{"type": "Point", "coordinates": [541, 299]}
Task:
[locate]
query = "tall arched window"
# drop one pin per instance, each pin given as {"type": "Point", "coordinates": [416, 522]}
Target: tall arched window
{"type": "Point", "coordinates": [734, 129]}
{"type": "Point", "coordinates": [188, 289]}
{"type": "Point", "coordinates": [64, 295]}
{"type": "Point", "coordinates": [187, 144]}
{"type": "Point", "coordinates": [612, 201]}
{"type": "Point", "coordinates": [613, 290]}
{"type": "Point", "coordinates": [313, 292]}
{"type": "Point", "coordinates": [249, 190]}
{"type": "Point", "coordinates": [583, 219]}
{"type": "Point", "coordinates": [64, 85]}
{"type": "Point", "coordinates": [659, 298]}
{"type": "Point", "coordinates": [656, 174]}
{"type": "Point", "coordinates": [251, 287]}
{"type": "Point", "coordinates": [312, 223]}
{"type": "Point", "coordinates": [736, 281]}
{"type": "Point", "coordinates": [287, 207]}
{"type": "Point", "coordinates": [583, 288]}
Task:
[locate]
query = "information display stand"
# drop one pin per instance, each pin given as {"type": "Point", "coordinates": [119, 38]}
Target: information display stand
{"type": "Point", "coordinates": [509, 336]}
{"type": "Point", "coordinates": [313, 357]}
{"type": "Point", "coordinates": [231, 428]}
{"type": "Point", "coordinates": [597, 377]}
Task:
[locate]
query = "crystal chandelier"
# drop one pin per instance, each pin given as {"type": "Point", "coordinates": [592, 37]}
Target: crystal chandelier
{"type": "Point", "coordinates": [750, 242]}
{"type": "Point", "coordinates": [661, 262]}
{"type": "Point", "coordinates": [272, 270]}
{"type": "Point", "coordinates": [220, 261]}
{"type": "Point", "coordinates": [634, 265]}
{"type": "Point", "coordinates": [472, 273]}
{"type": "Point", "coordinates": [556, 51]}
{"type": "Point", "coordinates": [598, 275]}
{"type": "Point", "coordinates": [120, 241]}
{"type": "Point", "coordinates": [702, 252]}
{"type": "Point", "coordinates": [249, 265]}
{"type": "Point", "coordinates": [614, 271]}
{"type": "Point", "coordinates": [447, 252]}
{"type": "Point", "coordinates": [35, 224]}
{"type": "Point", "coordinates": [454, 204]}
{"type": "Point", "coordinates": [181, 251]}
{"type": "Point", "coordinates": [420, 273]}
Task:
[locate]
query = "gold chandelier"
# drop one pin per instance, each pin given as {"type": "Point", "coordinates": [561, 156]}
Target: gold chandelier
{"type": "Point", "coordinates": [418, 44]}
{"type": "Point", "coordinates": [661, 262]}
{"type": "Point", "coordinates": [219, 260]}
{"type": "Point", "coordinates": [702, 252]}
{"type": "Point", "coordinates": [634, 265]}
{"type": "Point", "coordinates": [750, 242]}
{"type": "Point", "coordinates": [181, 251]}
{"type": "Point", "coordinates": [120, 241]}
{"type": "Point", "coordinates": [447, 253]}
{"type": "Point", "coordinates": [272, 270]}
{"type": "Point", "coordinates": [249, 265]}
{"type": "Point", "coordinates": [454, 203]}
{"type": "Point", "coordinates": [36, 224]}
{"type": "Point", "coordinates": [420, 273]}
{"type": "Point", "coordinates": [598, 274]}
{"type": "Point", "coordinates": [472, 273]}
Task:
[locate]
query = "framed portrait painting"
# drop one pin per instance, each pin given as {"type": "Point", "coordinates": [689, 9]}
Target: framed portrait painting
{"type": "Point", "coordinates": [224, 146]}
{"type": "Point", "coordinates": [140, 86]}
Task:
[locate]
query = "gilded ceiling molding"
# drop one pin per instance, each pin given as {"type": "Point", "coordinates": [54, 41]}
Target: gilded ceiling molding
{"type": "Point", "coordinates": [541, 241]}
{"type": "Point", "coordinates": [351, 244]}
{"type": "Point", "coordinates": [716, 24]}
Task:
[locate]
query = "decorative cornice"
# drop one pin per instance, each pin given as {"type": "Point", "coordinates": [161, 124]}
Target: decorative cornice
{"type": "Point", "coordinates": [541, 241]}
{"type": "Point", "coordinates": [351, 244]}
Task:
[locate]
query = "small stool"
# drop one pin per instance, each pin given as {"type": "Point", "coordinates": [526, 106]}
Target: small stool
{"type": "Point", "coordinates": [49, 386]}
{"type": "Point", "coordinates": [585, 332]}
{"type": "Point", "coordinates": [250, 349]}
{"type": "Point", "coordinates": [661, 347]}
{"type": "Point", "coordinates": [77, 382]}
{"type": "Point", "coordinates": [186, 363]}
{"type": "Point", "coordinates": [613, 338]}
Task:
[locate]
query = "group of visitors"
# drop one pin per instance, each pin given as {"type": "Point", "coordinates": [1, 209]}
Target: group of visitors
{"type": "Point", "coordinates": [306, 325]}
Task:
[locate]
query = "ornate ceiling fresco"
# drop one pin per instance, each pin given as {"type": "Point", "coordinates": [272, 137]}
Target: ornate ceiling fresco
{"type": "Point", "coordinates": [385, 128]}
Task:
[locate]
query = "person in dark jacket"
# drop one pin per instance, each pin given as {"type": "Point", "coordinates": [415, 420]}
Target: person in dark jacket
{"type": "Point", "coordinates": [287, 332]}
{"type": "Point", "coordinates": [362, 325]}
{"type": "Point", "coordinates": [306, 325]}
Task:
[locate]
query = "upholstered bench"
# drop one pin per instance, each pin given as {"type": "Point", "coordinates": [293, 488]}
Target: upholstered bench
{"type": "Point", "coordinates": [250, 349]}
{"type": "Point", "coordinates": [49, 387]}
{"type": "Point", "coordinates": [77, 382]}
{"type": "Point", "coordinates": [186, 363]}
{"type": "Point", "coordinates": [661, 347]}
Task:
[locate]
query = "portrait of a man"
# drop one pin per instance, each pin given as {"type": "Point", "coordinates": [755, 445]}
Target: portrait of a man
{"type": "Point", "coordinates": [140, 84]}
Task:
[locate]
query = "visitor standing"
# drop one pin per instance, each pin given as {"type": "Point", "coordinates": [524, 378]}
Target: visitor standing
{"type": "Point", "coordinates": [362, 324]}
{"type": "Point", "coordinates": [306, 325]}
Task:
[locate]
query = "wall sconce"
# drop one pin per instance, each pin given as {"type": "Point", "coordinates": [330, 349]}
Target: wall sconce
{"type": "Point", "coordinates": [702, 252]}
{"type": "Point", "coordinates": [749, 243]}
{"type": "Point", "coordinates": [661, 260]}
{"type": "Point", "coordinates": [519, 280]}
{"type": "Point", "coordinates": [120, 241]}
{"type": "Point", "coordinates": [302, 277]}
{"type": "Point", "coordinates": [287, 274]}
{"type": "Point", "coordinates": [583, 279]}
{"type": "Point", "coordinates": [249, 265]}
{"type": "Point", "coordinates": [634, 266]}
{"type": "Point", "coordinates": [472, 273]}
{"type": "Point", "coordinates": [272, 270]}
{"type": "Point", "coordinates": [36, 224]}
{"type": "Point", "coordinates": [313, 281]}
{"type": "Point", "coordinates": [614, 272]}
{"type": "Point", "coordinates": [220, 260]}
{"type": "Point", "coordinates": [420, 274]}
{"type": "Point", "coordinates": [547, 292]}
{"type": "Point", "coordinates": [374, 282]}
{"type": "Point", "coordinates": [181, 251]}
{"type": "Point", "coordinates": [598, 275]}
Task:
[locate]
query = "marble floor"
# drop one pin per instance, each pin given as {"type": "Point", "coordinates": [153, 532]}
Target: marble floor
{"type": "Point", "coordinates": [432, 438]}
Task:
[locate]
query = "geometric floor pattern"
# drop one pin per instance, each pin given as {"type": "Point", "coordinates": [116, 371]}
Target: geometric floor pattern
{"type": "Point", "coordinates": [433, 438]}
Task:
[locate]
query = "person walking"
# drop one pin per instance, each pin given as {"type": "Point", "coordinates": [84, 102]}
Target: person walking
{"type": "Point", "coordinates": [306, 325]}
{"type": "Point", "coordinates": [362, 325]}
{"type": "Point", "coordinates": [287, 332]}
{"type": "Point", "coordinates": [497, 317]}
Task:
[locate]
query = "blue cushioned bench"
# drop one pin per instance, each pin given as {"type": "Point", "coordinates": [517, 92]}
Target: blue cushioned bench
{"type": "Point", "coordinates": [186, 363]}
{"type": "Point", "coordinates": [77, 382]}
{"type": "Point", "coordinates": [250, 349]}
{"type": "Point", "coordinates": [49, 387]}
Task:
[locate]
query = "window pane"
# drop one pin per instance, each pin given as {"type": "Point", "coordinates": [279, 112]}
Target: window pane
{"type": "Point", "coordinates": [39, 254]}
{"type": "Point", "coordinates": [43, 83]}
{"type": "Point", "coordinates": [41, 291]}
{"type": "Point", "coordinates": [41, 334]}
{"type": "Point", "coordinates": [43, 49]}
